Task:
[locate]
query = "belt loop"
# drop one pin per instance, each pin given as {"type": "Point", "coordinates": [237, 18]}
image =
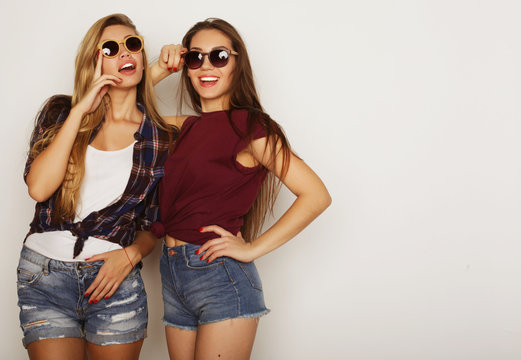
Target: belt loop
{"type": "Point", "coordinates": [46, 266]}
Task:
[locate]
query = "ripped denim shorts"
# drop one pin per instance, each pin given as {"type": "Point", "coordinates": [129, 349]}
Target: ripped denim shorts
{"type": "Point", "coordinates": [51, 297]}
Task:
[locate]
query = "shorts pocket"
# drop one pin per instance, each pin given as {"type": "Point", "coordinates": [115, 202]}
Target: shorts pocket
{"type": "Point", "coordinates": [250, 270]}
{"type": "Point", "coordinates": [194, 262]}
{"type": "Point", "coordinates": [28, 273]}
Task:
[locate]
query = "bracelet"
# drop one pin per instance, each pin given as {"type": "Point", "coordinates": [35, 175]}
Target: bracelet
{"type": "Point", "coordinates": [125, 250]}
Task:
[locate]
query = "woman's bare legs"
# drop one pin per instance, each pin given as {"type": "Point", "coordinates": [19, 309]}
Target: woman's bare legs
{"type": "Point", "coordinates": [228, 340]}
{"type": "Point", "coordinates": [181, 343]}
{"type": "Point", "coordinates": [115, 352]}
{"type": "Point", "coordinates": [57, 349]}
{"type": "Point", "coordinates": [74, 349]}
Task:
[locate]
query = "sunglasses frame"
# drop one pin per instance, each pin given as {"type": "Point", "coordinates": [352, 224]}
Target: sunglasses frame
{"type": "Point", "coordinates": [207, 54]}
{"type": "Point", "coordinates": [124, 42]}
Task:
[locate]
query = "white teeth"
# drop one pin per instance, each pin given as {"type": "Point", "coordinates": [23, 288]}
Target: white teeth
{"type": "Point", "coordinates": [209, 78]}
{"type": "Point", "coordinates": [127, 66]}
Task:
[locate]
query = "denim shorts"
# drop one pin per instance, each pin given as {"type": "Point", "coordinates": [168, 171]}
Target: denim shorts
{"type": "Point", "coordinates": [196, 293]}
{"type": "Point", "coordinates": [51, 297]}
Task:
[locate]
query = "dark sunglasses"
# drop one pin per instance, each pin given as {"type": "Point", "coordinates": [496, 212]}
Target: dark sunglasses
{"type": "Point", "coordinates": [111, 48]}
{"type": "Point", "coordinates": [218, 58]}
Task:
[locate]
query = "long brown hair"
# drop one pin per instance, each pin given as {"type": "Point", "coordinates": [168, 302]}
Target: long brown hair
{"type": "Point", "coordinates": [243, 95]}
{"type": "Point", "coordinates": [68, 193]}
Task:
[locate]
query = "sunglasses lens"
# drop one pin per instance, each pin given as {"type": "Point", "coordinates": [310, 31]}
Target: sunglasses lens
{"type": "Point", "coordinates": [133, 44]}
{"type": "Point", "coordinates": [110, 48]}
{"type": "Point", "coordinates": [219, 58]}
{"type": "Point", "coordinates": [194, 59]}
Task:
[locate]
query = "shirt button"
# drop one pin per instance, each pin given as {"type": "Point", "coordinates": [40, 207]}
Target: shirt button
{"type": "Point", "coordinates": [171, 252]}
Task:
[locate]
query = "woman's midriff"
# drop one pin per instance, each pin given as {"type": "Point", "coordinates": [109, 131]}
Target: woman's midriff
{"type": "Point", "coordinates": [172, 242]}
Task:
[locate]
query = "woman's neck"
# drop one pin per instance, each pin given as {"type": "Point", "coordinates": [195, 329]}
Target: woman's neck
{"type": "Point", "coordinates": [122, 106]}
{"type": "Point", "coordinates": [212, 105]}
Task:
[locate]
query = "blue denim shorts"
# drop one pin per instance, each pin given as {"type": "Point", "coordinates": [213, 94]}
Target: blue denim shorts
{"type": "Point", "coordinates": [52, 303]}
{"type": "Point", "coordinates": [196, 293]}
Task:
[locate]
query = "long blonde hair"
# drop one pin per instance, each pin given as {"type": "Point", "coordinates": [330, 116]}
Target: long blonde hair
{"type": "Point", "coordinates": [243, 95]}
{"type": "Point", "coordinates": [68, 193]}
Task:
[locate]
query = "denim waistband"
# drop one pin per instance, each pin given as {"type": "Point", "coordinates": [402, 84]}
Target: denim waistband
{"type": "Point", "coordinates": [181, 250]}
{"type": "Point", "coordinates": [48, 263]}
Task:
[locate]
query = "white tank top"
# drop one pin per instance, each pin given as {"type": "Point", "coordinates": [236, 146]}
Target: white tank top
{"type": "Point", "coordinates": [106, 176]}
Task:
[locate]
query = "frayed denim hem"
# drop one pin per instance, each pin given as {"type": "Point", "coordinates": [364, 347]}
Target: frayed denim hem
{"type": "Point", "coordinates": [256, 315]}
{"type": "Point", "coordinates": [181, 327]}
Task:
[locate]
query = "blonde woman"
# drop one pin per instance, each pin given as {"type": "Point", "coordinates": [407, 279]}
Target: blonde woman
{"type": "Point", "coordinates": [93, 166]}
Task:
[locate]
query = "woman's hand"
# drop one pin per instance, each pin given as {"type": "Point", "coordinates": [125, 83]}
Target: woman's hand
{"type": "Point", "coordinates": [97, 90]}
{"type": "Point", "coordinates": [111, 274]}
{"type": "Point", "coordinates": [50, 166]}
{"type": "Point", "coordinates": [226, 245]}
{"type": "Point", "coordinates": [169, 61]}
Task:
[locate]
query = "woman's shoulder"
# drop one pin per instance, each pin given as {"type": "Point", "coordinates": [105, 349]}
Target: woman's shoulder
{"type": "Point", "coordinates": [177, 120]}
{"type": "Point", "coordinates": [249, 114]}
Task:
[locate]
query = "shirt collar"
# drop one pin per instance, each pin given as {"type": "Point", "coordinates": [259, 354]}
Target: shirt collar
{"type": "Point", "coordinates": [145, 130]}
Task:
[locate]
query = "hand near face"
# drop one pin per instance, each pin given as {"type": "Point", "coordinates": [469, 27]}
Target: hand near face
{"type": "Point", "coordinates": [227, 244]}
{"type": "Point", "coordinates": [171, 57]}
{"type": "Point", "coordinates": [97, 89]}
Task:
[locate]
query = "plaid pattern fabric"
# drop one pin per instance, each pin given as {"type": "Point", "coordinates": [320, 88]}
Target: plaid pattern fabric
{"type": "Point", "coordinates": [137, 208]}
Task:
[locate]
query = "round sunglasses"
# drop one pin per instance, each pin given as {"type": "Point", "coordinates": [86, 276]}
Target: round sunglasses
{"type": "Point", "coordinates": [111, 48]}
{"type": "Point", "coordinates": [219, 58]}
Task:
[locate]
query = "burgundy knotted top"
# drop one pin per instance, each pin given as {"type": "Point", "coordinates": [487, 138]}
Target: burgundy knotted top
{"type": "Point", "coordinates": [203, 183]}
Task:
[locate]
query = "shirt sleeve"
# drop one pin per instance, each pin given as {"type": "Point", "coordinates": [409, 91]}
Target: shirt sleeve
{"type": "Point", "coordinates": [258, 131]}
{"type": "Point", "coordinates": [151, 212]}
{"type": "Point", "coordinates": [54, 112]}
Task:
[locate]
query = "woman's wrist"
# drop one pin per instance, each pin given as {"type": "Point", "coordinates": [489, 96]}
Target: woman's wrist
{"type": "Point", "coordinates": [134, 254]}
{"type": "Point", "coordinates": [255, 249]}
{"type": "Point", "coordinates": [158, 73]}
{"type": "Point", "coordinates": [77, 113]}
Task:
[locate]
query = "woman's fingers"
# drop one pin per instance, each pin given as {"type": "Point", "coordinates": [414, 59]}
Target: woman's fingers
{"type": "Point", "coordinates": [164, 53]}
{"type": "Point", "coordinates": [216, 229]}
{"type": "Point", "coordinates": [96, 287]}
{"type": "Point", "coordinates": [102, 287]}
{"type": "Point", "coordinates": [99, 61]}
{"type": "Point", "coordinates": [98, 89]}
{"type": "Point", "coordinates": [177, 60]}
{"type": "Point", "coordinates": [214, 252]}
{"type": "Point", "coordinates": [112, 290]}
{"type": "Point", "coordinates": [171, 57]}
{"type": "Point", "coordinates": [206, 249]}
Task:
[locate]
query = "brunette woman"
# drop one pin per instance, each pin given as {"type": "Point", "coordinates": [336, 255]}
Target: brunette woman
{"type": "Point", "coordinates": [94, 163]}
{"type": "Point", "coordinates": [219, 183]}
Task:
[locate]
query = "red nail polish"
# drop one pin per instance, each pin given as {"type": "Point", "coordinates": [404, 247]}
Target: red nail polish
{"type": "Point", "coordinates": [201, 258]}
{"type": "Point", "coordinates": [169, 69]}
{"type": "Point", "coordinates": [87, 259]}
{"type": "Point", "coordinates": [200, 229]}
{"type": "Point", "coordinates": [196, 252]}
{"type": "Point", "coordinates": [175, 69]}
{"type": "Point", "coordinates": [95, 301]}
{"type": "Point", "coordinates": [87, 295]}
{"type": "Point", "coordinates": [207, 261]}
{"type": "Point", "coordinates": [90, 302]}
{"type": "Point", "coordinates": [106, 297]}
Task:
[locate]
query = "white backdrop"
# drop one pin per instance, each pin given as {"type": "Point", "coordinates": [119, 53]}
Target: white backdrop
{"type": "Point", "coordinates": [408, 110]}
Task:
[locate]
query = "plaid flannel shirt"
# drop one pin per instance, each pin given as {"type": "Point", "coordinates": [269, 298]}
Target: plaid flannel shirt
{"type": "Point", "coordinates": [137, 208]}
